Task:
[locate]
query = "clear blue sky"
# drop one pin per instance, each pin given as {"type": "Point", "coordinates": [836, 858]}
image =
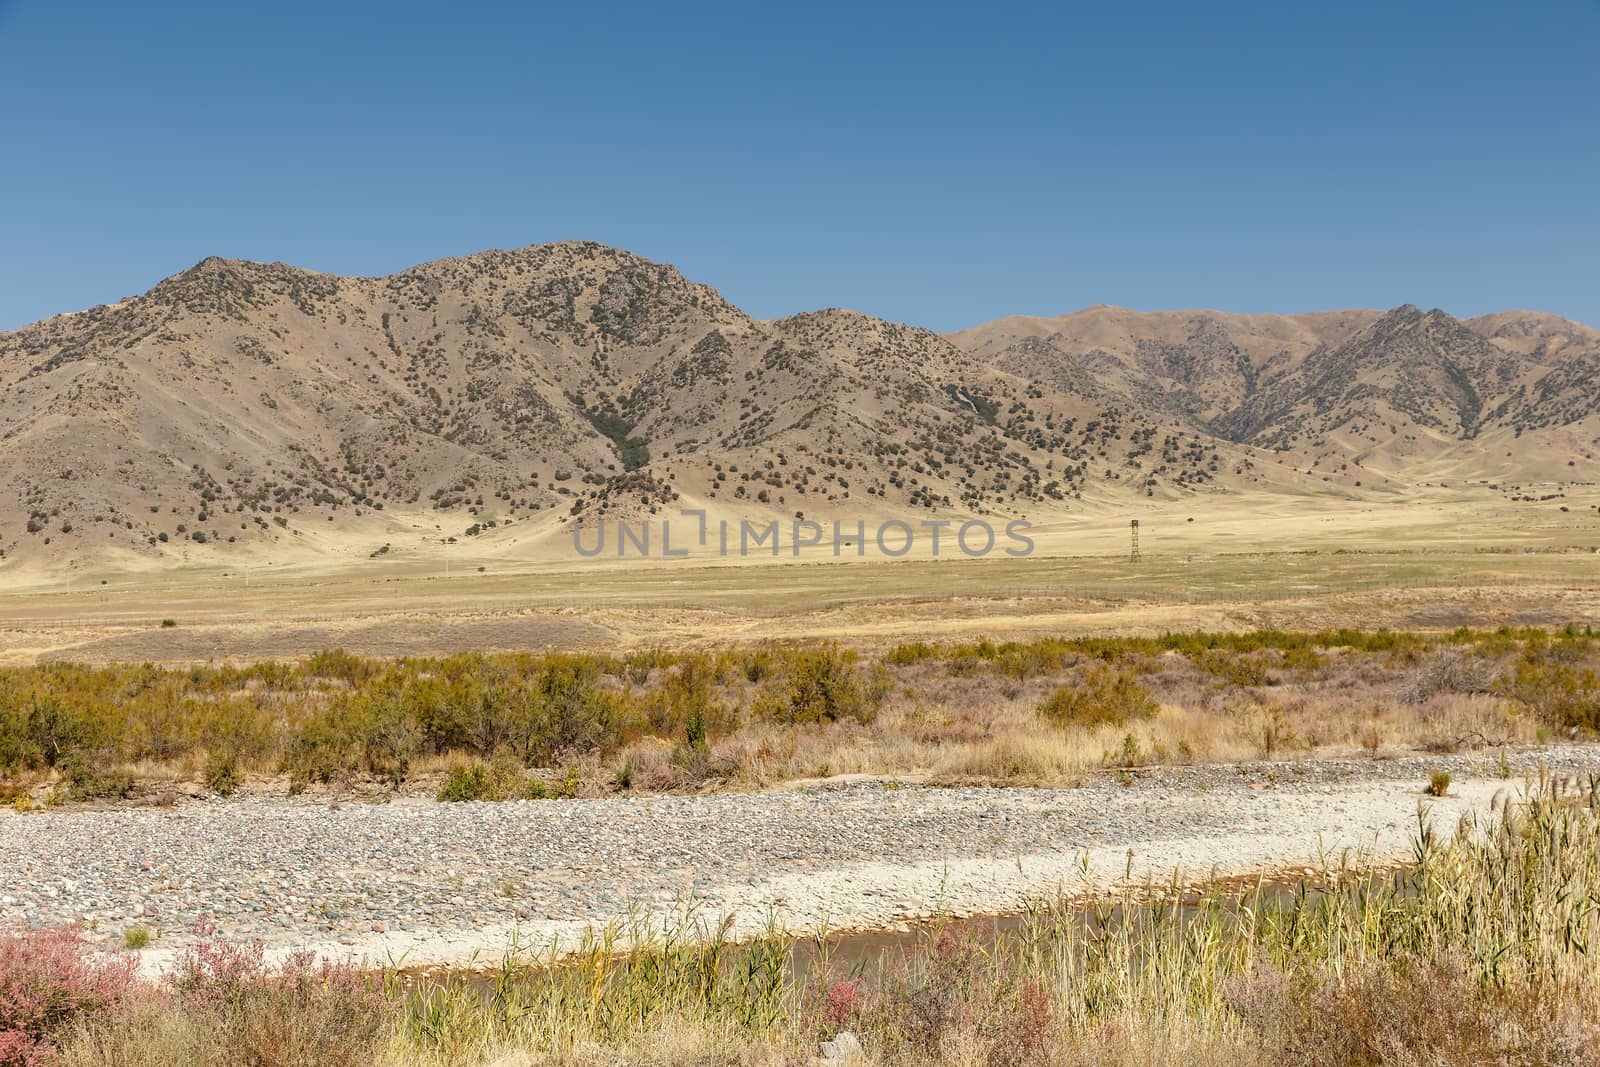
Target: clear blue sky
{"type": "Point", "coordinates": [931, 163]}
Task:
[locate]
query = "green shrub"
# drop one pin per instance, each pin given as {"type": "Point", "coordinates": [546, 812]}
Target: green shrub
{"type": "Point", "coordinates": [695, 767]}
{"type": "Point", "coordinates": [83, 782]}
{"type": "Point", "coordinates": [473, 782]}
{"type": "Point", "coordinates": [322, 750]}
{"type": "Point", "coordinates": [687, 699]}
{"type": "Point", "coordinates": [963, 663]}
{"type": "Point", "coordinates": [695, 732]}
{"type": "Point", "coordinates": [570, 713]}
{"type": "Point", "coordinates": [1129, 754]}
{"type": "Point", "coordinates": [758, 666]}
{"type": "Point", "coordinates": [390, 740]}
{"type": "Point", "coordinates": [1103, 695]}
{"type": "Point", "coordinates": [1232, 668]}
{"type": "Point", "coordinates": [247, 729]}
{"type": "Point", "coordinates": [337, 715]}
{"type": "Point", "coordinates": [626, 772]}
{"type": "Point", "coordinates": [60, 732]}
{"type": "Point", "coordinates": [1302, 658]}
{"type": "Point", "coordinates": [907, 654]}
{"type": "Point", "coordinates": [337, 664]}
{"type": "Point", "coordinates": [1557, 693]}
{"type": "Point", "coordinates": [222, 773]}
{"type": "Point", "coordinates": [1032, 659]}
{"type": "Point", "coordinates": [499, 780]}
{"type": "Point", "coordinates": [822, 684]}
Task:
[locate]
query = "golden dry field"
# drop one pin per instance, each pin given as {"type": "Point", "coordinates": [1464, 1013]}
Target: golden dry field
{"type": "Point", "coordinates": [1435, 559]}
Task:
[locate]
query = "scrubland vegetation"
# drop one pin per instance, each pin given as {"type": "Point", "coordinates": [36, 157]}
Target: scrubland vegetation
{"type": "Point", "coordinates": [560, 724]}
{"type": "Point", "coordinates": [1481, 952]}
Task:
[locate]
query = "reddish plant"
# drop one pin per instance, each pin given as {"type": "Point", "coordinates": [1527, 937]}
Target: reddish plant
{"type": "Point", "coordinates": [215, 973]}
{"type": "Point", "coordinates": [305, 1009]}
{"type": "Point", "coordinates": [842, 1003]}
{"type": "Point", "coordinates": [1024, 1036]}
{"type": "Point", "coordinates": [49, 979]}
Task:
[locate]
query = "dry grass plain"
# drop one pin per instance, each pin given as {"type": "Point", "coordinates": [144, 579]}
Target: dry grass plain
{"type": "Point", "coordinates": [1435, 558]}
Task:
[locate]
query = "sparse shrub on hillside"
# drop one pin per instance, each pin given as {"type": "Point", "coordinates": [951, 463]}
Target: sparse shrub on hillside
{"type": "Point", "coordinates": [1101, 695]}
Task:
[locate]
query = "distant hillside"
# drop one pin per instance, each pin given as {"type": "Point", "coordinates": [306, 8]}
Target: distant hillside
{"type": "Point", "coordinates": [1403, 391]}
{"type": "Point", "coordinates": [240, 403]}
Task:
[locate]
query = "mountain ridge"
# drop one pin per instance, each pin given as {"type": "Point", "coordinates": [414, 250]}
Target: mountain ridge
{"type": "Point", "coordinates": [239, 401]}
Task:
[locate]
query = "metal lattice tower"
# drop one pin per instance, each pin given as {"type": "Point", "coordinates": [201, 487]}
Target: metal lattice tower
{"type": "Point", "coordinates": [1133, 554]}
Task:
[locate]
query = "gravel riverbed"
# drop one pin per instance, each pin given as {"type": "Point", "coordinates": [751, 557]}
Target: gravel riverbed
{"type": "Point", "coordinates": [427, 883]}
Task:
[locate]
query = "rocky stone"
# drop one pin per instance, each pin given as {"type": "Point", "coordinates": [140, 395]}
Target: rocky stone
{"type": "Point", "coordinates": [843, 1050]}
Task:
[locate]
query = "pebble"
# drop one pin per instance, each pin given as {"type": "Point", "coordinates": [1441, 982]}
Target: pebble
{"type": "Point", "coordinates": [292, 871]}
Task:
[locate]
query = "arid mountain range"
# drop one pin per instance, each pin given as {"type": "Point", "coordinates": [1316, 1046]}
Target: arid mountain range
{"type": "Point", "coordinates": [236, 402]}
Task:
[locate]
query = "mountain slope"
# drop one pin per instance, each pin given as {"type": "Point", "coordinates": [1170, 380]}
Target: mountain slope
{"type": "Point", "coordinates": [1403, 388]}
{"type": "Point", "coordinates": [242, 404]}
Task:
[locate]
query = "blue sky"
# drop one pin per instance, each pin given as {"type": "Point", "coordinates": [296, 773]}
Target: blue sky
{"type": "Point", "coordinates": [937, 164]}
